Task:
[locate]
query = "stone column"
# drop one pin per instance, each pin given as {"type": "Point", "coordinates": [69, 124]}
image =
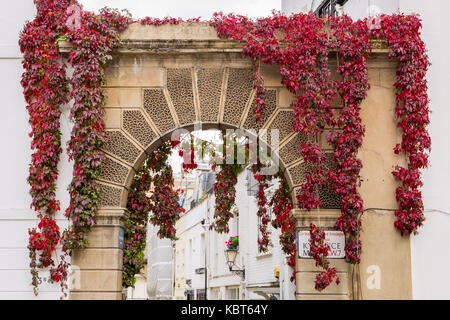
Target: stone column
{"type": "Point", "coordinates": [159, 272]}
{"type": "Point", "coordinates": [385, 269]}
{"type": "Point", "coordinates": [386, 257]}
{"type": "Point", "coordinates": [97, 270]}
{"type": "Point", "coordinates": [305, 268]}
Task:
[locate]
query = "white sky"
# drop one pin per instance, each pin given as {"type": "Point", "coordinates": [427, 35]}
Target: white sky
{"type": "Point", "coordinates": [186, 9]}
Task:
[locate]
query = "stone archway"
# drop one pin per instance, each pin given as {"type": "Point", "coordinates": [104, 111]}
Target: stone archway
{"type": "Point", "coordinates": [172, 76]}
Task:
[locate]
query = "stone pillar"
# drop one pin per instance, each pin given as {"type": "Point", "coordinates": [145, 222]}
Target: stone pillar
{"type": "Point", "coordinates": [386, 257]}
{"type": "Point", "coordinates": [305, 268]}
{"type": "Point", "coordinates": [385, 269]}
{"type": "Point", "coordinates": [97, 270]}
{"type": "Point", "coordinates": [159, 272]}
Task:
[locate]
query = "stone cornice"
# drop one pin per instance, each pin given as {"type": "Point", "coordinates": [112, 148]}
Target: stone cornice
{"type": "Point", "coordinates": [190, 46]}
{"type": "Point", "coordinates": [183, 38]}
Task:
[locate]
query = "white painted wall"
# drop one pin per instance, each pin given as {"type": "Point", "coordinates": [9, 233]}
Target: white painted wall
{"type": "Point", "coordinates": [429, 249]}
{"type": "Point", "coordinates": [16, 217]}
{"type": "Point", "coordinates": [159, 265]}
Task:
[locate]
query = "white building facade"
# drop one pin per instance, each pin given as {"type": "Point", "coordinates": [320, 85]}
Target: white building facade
{"type": "Point", "coordinates": [198, 246]}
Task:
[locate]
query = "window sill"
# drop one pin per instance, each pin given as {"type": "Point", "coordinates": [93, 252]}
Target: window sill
{"type": "Point", "coordinates": [264, 254]}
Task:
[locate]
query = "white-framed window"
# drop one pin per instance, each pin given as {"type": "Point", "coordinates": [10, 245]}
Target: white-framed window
{"type": "Point", "coordinates": [232, 293]}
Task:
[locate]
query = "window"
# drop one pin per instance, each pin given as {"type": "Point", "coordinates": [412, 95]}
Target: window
{"type": "Point", "coordinates": [252, 184]}
{"type": "Point", "coordinates": [214, 294]}
{"type": "Point", "coordinates": [188, 257]}
{"type": "Point", "coordinates": [232, 293]}
{"type": "Point", "coordinates": [189, 294]}
{"type": "Point", "coordinates": [200, 294]}
{"type": "Point", "coordinates": [328, 7]}
{"type": "Point", "coordinates": [234, 230]}
{"type": "Point", "coordinates": [203, 248]}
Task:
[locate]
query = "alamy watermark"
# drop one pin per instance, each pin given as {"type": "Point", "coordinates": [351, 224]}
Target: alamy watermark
{"type": "Point", "coordinates": [374, 17]}
{"type": "Point", "coordinates": [73, 22]}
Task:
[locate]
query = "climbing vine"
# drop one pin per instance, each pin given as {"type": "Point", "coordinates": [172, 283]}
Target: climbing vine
{"type": "Point", "coordinates": [155, 176]}
{"type": "Point", "coordinates": [319, 250]}
{"type": "Point", "coordinates": [300, 45]}
{"type": "Point", "coordinates": [282, 205]}
{"type": "Point", "coordinates": [91, 46]}
{"type": "Point", "coordinates": [402, 34]}
{"type": "Point", "coordinates": [263, 183]}
{"type": "Point", "coordinates": [165, 204]}
{"type": "Point", "coordinates": [352, 46]}
{"type": "Point", "coordinates": [135, 225]}
{"type": "Point", "coordinates": [226, 180]}
{"type": "Point", "coordinates": [225, 192]}
{"type": "Point", "coordinates": [303, 59]}
{"type": "Point", "coordinates": [45, 90]}
{"type": "Point", "coordinates": [305, 71]}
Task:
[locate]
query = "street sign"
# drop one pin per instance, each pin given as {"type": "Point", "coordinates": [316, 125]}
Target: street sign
{"type": "Point", "coordinates": [200, 271]}
{"type": "Point", "coordinates": [334, 238]}
{"type": "Point", "coordinates": [121, 237]}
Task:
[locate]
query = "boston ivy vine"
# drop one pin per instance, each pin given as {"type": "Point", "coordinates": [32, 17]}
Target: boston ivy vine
{"type": "Point", "coordinates": [45, 90]}
{"type": "Point", "coordinates": [263, 183]}
{"type": "Point", "coordinates": [91, 46]}
{"type": "Point", "coordinates": [162, 204]}
{"type": "Point", "coordinates": [402, 34]}
{"type": "Point", "coordinates": [282, 205]}
{"type": "Point", "coordinates": [300, 45]}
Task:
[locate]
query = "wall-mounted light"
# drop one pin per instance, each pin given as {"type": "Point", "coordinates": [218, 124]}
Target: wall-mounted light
{"type": "Point", "coordinates": [230, 255]}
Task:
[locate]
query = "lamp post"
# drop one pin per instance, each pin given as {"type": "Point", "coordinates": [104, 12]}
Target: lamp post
{"type": "Point", "coordinates": [205, 227]}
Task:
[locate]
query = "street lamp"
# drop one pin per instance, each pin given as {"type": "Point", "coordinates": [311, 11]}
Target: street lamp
{"type": "Point", "coordinates": [230, 255]}
{"type": "Point", "coordinates": [205, 227]}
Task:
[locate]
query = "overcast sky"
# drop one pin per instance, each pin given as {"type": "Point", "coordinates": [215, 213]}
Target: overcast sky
{"type": "Point", "coordinates": [186, 9]}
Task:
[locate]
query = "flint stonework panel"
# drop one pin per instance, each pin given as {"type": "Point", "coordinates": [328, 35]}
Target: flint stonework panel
{"type": "Point", "coordinates": [290, 152]}
{"type": "Point", "coordinates": [120, 146]}
{"type": "Point", "coordinates": [110, 196]}
{"type": "Point", "coordinates": [209, 83]}
{"type": "Point", "coordinates": [271, 105]}
{"type": "Point", "coordinates": [135, 124]}
{"type": "Point", "coordinates": [179, 85]}
{"type": "Point", "coordinates": [283, 123]}
{"type": "Point", "coordinates": [157, 108]}
{"type": "Point", "coordinates": [239, 89]}
{"type": "Point", "coordinates": [298, 173]}
{"type": "Point", "coordinates": [113, 171]}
